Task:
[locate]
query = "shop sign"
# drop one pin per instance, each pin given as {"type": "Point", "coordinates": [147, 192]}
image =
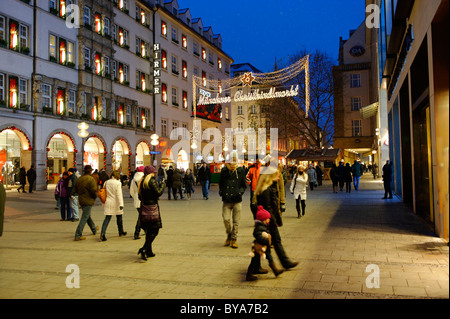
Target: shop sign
{"type": "Point", "coordinates": [156, 68]}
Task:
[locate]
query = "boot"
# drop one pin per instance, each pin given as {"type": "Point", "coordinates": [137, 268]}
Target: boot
{"type": "Point", "coordinates": [142, 252]}
{"type": "Point", "coordinates": [275, 270]}
{"type": "Point", "coordinates": [250, 276]}
{"type": "Point", "coordinates": [261, 271]}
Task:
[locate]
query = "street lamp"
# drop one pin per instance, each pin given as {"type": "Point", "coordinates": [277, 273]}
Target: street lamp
{"type": "Point", "coordinates": [154, 142]}
{"type": "Point", "coordinates": [83, 133]}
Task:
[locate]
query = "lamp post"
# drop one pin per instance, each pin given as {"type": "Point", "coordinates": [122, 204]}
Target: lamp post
{"type": "Point", "coordinates": [83, 133]}
{"type": "Point", "coordinates": [154, 142]}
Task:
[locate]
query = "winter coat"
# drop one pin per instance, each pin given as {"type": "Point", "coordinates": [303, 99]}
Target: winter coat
{"type": "Point", "coordinates": [204, 174]}
{"type": "Point", "coordinates": [347, 173]}
{"type": "Point", "coordinates": [269, 200]}
{"type": "Point", "coordinates": [23, 176]}
{"type": "Point", "coordinates": [387, 173]}
{"type": "Point", "coordinates": [114, 197]}
{"type": "Point", "coordinates": [232, 184]}
{"type": "Point", "coordinates": [340, 172]}
{"type": "Point", "coordinates": [357, 170]}
{"type": "Point", "coordinates": [150, 196]}
{"type": "Point", "coordinates": [31, 175]}
{"type": "Point", "coordinates": [253, 175]}
{"type": "Point", "coordinates": [188, 180]}
{"type": "Point", "coordinates": [170, 177]}
{"type": "Point", "coordinates": [311, 175]}
{"type": "Point", "coordinates": [70, 186]}
{"type": "Point", "coordinates": [61, 189]}
{"type": "Point", "coordinates": [176, 179]}
{"type": "Point", "coordinates": [86, 188]}
{"type": "Point", "coordinates": [260, 228]}
{"type": "Point", "coordinates": [298, 185]}
{"type": "Point", "coordinates": [134, 187]}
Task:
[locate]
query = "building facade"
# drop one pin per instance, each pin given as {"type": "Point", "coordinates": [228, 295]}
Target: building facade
{"type": "Point", "coordinates": [413, 58]}
{"type": "Point", "coordinates": [356, 116]}
{"type": "Point", "coordinates": [95, 63]}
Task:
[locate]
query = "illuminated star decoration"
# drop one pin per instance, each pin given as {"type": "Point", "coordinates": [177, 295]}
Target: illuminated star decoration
{"type": "Point", "coordinates": [247, 79]}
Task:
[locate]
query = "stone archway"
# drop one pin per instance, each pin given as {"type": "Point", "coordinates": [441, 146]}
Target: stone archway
{"type": "Point", "coordinates": [61, 155]}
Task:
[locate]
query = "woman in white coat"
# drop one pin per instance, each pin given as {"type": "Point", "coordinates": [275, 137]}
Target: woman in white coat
{"type": "Point", "coordinates": [298, 188]}
{"type": "Point", "coordinates": [134, 192]}
{"type": "Point", "coordinates": [113, 204]}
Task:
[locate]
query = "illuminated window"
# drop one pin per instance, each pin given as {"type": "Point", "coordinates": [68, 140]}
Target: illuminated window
{"type": "Point", "coordinates": [95, 112]}
{"type": "Point", "coordinates": [120, 115]}
{"type": "Point", "coordinates": [164, 59]}
{"type": "Point", "coordinates": [143, 119]}
{"type": "Point", "coordinates": [52, 46]}
{"type": "Point", "coordinates": [123, 4]}
{"type": "Point", "coordinates": [98, 63]}
{"type": "Point", "coordinates": [62, 51]}
{"type": "Point", "coordinates": [184, 66]}
{"type": "Point", "coordinates": [220, 86]}
{"type": "Point", "coordinates": [98, 23]}
{"type": "Point", "coordinates": [13, 92]}
{"type": "Point", "coordinates": [164, 93]}
{"type": "Point", "coordinates": [141, 80]}
{"type": "Point", "coordinates": [70, 52]}
{"type": "Point", "coordinates": [163, 29]}
{"type": "Point", "coordinates": [184, 41]}
{"type": "Point", "coordinates": [204, 54]}
{"type": "Point", "coordinates": [219, 63]}
{"type": "Point", "coordinates": [185, 100]}
{"type": "Point", "coordinates": [60, 101]}
{"type": "Point", "coordinates": [121, 73]}
{"type": "Point", "coordinates": [14, 35]}
{"type": "Point", "coordinates": [204, 78]}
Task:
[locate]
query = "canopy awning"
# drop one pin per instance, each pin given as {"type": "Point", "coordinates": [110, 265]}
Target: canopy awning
{"type": "Point", "coordinates": [369, 111]}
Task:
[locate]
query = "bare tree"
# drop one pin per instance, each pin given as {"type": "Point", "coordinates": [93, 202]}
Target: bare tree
{"type": "Point", "coordinates": [288, 114]}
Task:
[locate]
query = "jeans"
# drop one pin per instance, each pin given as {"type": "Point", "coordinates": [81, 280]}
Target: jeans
{"type": "Point", "coordinates": [231, 211]}
{"type": "Point", "coordinates": [74, 206]}
{"type": "Point", "coordinates": [65, 207]}
{"type": "Point", "coordinates": [85, 218]}
{"type": "Point", "coordinates": [205, 188]}
{"type": "Point", "coordinates": [108, 219]}
{"type": "Point", "coordinates": [356, 182]}
{"type": "Point", "coordinates": [137, 228]}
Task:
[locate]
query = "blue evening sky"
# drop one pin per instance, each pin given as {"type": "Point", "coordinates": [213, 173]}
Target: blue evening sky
{"type": "Point", "coordinates": [258, 31]}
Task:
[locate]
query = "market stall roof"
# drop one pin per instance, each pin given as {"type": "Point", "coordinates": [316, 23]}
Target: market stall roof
{"type": "Point", "coordinates": [329, 154]}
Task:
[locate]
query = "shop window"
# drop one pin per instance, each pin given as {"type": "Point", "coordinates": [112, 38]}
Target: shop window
{"type": "Point", "coordinates": [164, 93]}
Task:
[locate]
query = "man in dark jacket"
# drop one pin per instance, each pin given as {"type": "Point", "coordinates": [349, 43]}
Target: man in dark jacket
{"type": "Point", "coordinates": [357, 171]}
{"type": "Point", "coordinates": [169, 183]}
{"type": "Point", "coordinates": [73, 196]}
{"type": "Point", "coordinates": [340, 174]}
{"type": "Point", "coordinates": [204, 176]}
{"type": "Point", "coordinates": [387, 179]}
{"type": "Point", "coordinates": [232, 185]}
{"type": "Point", "coordinates": [86, 188]}
{"type": "Point", "coordinates": [31, 176]}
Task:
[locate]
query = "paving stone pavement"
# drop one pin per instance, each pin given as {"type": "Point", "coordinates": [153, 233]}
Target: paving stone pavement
{"type": "Point", "coordinates": [343, 244]}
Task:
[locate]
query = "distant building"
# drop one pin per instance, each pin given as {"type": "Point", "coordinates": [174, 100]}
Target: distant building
{"type": "Point", "coordinates": [356, 116]}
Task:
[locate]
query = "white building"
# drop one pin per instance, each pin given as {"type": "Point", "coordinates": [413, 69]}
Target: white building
{"type": "Point", "coordinates": [53, 76]}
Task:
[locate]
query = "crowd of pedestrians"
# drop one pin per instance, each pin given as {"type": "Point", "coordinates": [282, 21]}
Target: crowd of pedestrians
{"type": "Point", "coordinates": [267, 200]}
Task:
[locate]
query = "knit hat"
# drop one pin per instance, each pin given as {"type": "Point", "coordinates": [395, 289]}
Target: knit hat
{"type": "Point", "coordinates": [262, 214]}
{"type": "Point", "coordinates": [149, 170]}
{"type": "Point", "coordinates": [140, 169]}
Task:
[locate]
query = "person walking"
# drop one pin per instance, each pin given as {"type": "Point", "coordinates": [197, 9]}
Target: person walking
{"type": "Point", "coordinates": [261, 245]}
{"type": "Point", "coordinates": [169, 181]}
{"type": "Point", "coordinates": [86, 188]}
{"type": "Point", "coordinates": [113, 204]}
{"type": "Point", "coordinates": [62, 192]}
{"type": "Point", "coordinates": [298, 189]}
{"type": "Point", "coordinates": [334, 178]}
{"type": "Point", "coordinates": [188, 180]}
{"type": "Point", "coordinates": [135, 195]}
{"type": "Point", "coordinates": [149, 193]}
{"type": "Point", "coordinates": [22, 179]}
{"type": "Point", "coordinates": [73, 197]}
{"type": "Point", "coordinates": [311, 177]}
{"type": "Point", "coordinates": [252, 180]}
{"type": "Point", "coordinates": [266, 195]}
{"type": "Point", "coordinates": [348, 178]}
{"type": "Point", "coordinates": [340, 175]}
{"type": "Point", "coordinates": [387, 179]}
{"type": "Point", "coordinates": [31, 176]}
{"type": "Point", "coordinates": [232, 185]}
{"type": "Point", "coordinates": [204, 176]}
{"type": "Point", "coordinates": [161, 174]}
{"type": "Point", "coordinates": [176, 184]}
{"type": "Point", "coordinates": [319, 174]}
{"type": "Point", "coordinates": [357, 171]}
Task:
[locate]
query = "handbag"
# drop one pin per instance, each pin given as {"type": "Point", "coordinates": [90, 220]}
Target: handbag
{"type": "Point", "coordinates": [101, 193]}
{"type": "Point", "coordinates": [149, 213]}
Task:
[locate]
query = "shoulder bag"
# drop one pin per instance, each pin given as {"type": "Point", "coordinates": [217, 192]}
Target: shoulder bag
{"type": "Point", "coordinates": [149, 213]}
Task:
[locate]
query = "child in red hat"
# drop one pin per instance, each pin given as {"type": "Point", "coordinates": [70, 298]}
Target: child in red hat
{"type": "Point", "coordinates": [261, 245]}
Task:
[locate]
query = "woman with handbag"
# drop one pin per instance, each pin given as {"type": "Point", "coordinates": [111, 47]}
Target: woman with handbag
{"type": "Point", "coordinates": [150, 218]}
{"type": "Point", "coordinates": [113, 204]}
